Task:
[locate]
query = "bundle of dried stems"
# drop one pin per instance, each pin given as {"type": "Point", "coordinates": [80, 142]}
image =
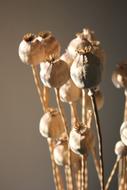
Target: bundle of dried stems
{"type": "Point", "coordinates": [74, 76]}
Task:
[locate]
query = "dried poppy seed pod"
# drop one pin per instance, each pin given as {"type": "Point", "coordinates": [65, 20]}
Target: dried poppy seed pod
{"type": "Point", "coordinates": [54, 74]}
{"type": "Point", "coordinates": [34, 49]}
{"type": "Point", "coordinates": [61, 155]}
{"type": "Point", "coordinates": [120, 149]}
{"type": "Point", "coordinates": [81, 141]}
{"type": "Point", "coordinates": [119, 76]}
{"type": "Point", "coordinates": [51, 124]}
{"type": "Point", "coordinates": [123, 132]}
{"type": "Point", "coordinates": [69, 92]}
{"type": "Point", "coordinates": [99, 100]}
{"type": "Point", "coordinates": [80, 40]}
{"type": "Point", "coordinates": [86, 71]}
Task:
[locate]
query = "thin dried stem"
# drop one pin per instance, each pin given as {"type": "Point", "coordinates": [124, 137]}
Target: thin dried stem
{"type": "Point", "coordinates": [38, 85]}
{"type": "Point", "coordinates": [69, 171]}
{"type": "Point", "coordinates": [96, 163]}
{"type": "Point", "coordinates": [43, 94]}
{"type": "Point", "coordinates": [112, 173]}
{"type": "Point", "coordinates": [60, 107]}
{"type": "Point", "coordinates": [84, 173]}
{"type": "Point", "coordinates": [74, 115]}
{"type": "Point", "coordinates": [121, 174]}
{"type": "Point", "coordinates": [78, 179]}
{"type": "Point", "coordinates": [55, 169]}
{"type": "Point", "coordinates": [84, 170]}
{"type": "Point", "coordinates": [98, 128]}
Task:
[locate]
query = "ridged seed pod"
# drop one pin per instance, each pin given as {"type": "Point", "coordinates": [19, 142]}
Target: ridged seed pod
{"type": "Point", "coordinates": [81, 141]}
{"type": "Point", "coordinates": [34, 49]}
{"type": "Point", "coordinates": [82, 39]}
{"type": "Point", "coordinates": [69, 92]}
{"type": "Point", "coordinates": [55, 73]}
{"type": "Point", "coordinates": [86, 71]}
{"type": "Point", "coordinates": [51, 124]}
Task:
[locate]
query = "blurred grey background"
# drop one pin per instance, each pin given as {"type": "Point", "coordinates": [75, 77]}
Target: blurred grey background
{"type": "Point", "coordinates": [24, 155]}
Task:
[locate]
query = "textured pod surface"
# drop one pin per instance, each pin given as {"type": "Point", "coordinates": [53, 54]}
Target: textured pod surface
{"type": "Point", "coordinates": [51, 124]}
{"type": "Point", "coordinates": [81, 141]}
{"type": "Point", "coordinates": [86, 71]}
{"type": "Point", "coordinates": [54, 74]}
{"type": "Point", "coordinates": [120, 149]}
{"type": "Point", "coordinates": [119, 76]}
{"type": "Point", "coordinates": [34, 49]}
{"type": "Point", "coordinates": [123, 132]}
{"type": "Point", "coordinates": [80, 40]}
{"type": "Point", "coordinates": [69, 92]}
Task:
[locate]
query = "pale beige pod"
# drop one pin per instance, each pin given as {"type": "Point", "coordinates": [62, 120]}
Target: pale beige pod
{"type": "Point", "coordinates": [82, 39]}
{"type": "Point", "coordinates": [123, 132]}
{"type": "Point", "coordinates": [69, 92]}
{"type": "Point", "coordinates": [81, 140]}
{"type": "Point", "coordinates": [61, 155]}
{"type": "Point", "coordinates": [54, 73]}
{"type": "Point", "coordinates": [34, 49]}
{"type": "Point", "coordinates": [120, 149]}
{"type": "Point", "coordinates": [51, 124]}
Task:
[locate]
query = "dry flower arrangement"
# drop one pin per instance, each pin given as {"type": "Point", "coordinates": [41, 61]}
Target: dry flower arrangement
{"type": "Point", "coordinates": [75, 77]}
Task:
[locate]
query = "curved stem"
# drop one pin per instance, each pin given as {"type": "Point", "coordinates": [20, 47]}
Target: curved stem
{"type": "Point", "coordinates": [98, 128]}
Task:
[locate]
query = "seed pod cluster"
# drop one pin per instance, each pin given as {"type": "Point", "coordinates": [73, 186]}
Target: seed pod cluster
{"type": "Point", "coordinates": [34, 49]}
{"type": "Point", "coordinates": [51, 124]}
{"type": "Point", "coordinates": [54, 73]}
{"type": "Point", "coordinates": [81, 140]}
{"type": "Point", "coordinates": [119, 76]}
